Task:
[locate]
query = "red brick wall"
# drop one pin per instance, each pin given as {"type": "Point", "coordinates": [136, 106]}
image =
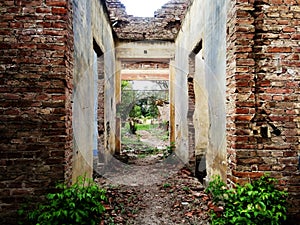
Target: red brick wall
{"type": "Point", "coordinates": [263, 92]}
{"type": "Point", "coordinates": [35, 100]}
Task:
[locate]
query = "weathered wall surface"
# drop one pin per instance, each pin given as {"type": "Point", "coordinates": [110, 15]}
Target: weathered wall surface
{"type": "Point", "coordinates": [83, 97]}
{"type": "Point", "coordinates": [208, 19]}
{"type": "Point", "coordinates": [103, 35]}
{"type": "Point", "coordinates": [91, 28]}
{"type": "Point", "coordinates": [161, 51]}
{"type": "Point", "coordinates": [35, 100]}
{"type": "Point", "coordinates": [263, 92]}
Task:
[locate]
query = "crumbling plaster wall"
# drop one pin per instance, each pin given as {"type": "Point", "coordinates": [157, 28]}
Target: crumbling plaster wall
{"type": "Point", "coordinates": [103, 35]}
{"type": "Point", "coordinates": [91, 24]}
{"type": "Point", "coordinates": [208, 19]}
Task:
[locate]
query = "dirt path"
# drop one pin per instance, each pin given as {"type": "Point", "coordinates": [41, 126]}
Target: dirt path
{"type": "Point", "coordinates": [159, 193]}
{"type": "Point", "coordinates": [151, 188]}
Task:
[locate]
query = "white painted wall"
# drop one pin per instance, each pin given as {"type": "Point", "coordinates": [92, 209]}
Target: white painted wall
{"type": "Point", "coordinates": [90, 21]}
{"type": "Point", "coordinates": [206, 21]}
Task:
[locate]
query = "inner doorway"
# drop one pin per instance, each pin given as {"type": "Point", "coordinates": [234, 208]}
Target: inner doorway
{"type": "Point", "coordinates": [145, 110]}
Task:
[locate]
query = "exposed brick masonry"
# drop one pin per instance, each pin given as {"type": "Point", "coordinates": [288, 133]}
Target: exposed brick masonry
{"type": "Point", "coordinates": [263, 92]}
{"type": "Point", "coordinates": [35, 100]}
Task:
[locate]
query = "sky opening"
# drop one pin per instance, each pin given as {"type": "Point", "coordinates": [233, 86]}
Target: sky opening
{"type": "Point", "coordinates": [143, 8]}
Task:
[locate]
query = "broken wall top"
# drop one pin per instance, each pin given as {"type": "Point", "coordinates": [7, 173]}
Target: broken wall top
{"type": "Point", "coordinates": [163, 26]}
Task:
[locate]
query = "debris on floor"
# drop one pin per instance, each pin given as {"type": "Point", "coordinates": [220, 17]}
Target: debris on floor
{"type": "Point", "coordinates": [179, 199]}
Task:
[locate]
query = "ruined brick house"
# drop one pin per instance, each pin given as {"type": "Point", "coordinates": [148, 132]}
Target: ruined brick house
{"type": "Point", "coordinates": [234, 74]}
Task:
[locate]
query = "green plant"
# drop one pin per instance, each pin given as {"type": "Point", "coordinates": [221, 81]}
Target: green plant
{"type": "Point", "coordinates": [217, 188]}
{"type": "Point", "coordinates": [147, 127]}
{"type": "Point", "coordinates": [77, 204]}
{"type": "Point", "coordinates": [135, 112]}
{"type": "Point", "coordinates": [142, 156]}
{"type": "Point", "coordinates": [186, 189]}
{"type": "Point", "coordinates": [111, 221]}
{"type": "Point", "coordinates": [169, 150]}
{"type": "Point", "coordinates": [151, 150]}
{"type": "Point", "coordinates": [134, 211]}
{"type": "Point", "coordinates": [165, 136]}
{"type": "Point", "coordinates": [120, 208]}
{"type": "Point", "coordinates": [166, 185]}
{"type": "Point", "coordinates": [258, 202]}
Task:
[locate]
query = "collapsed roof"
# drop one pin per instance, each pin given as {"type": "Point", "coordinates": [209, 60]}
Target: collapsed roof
{"type": "Point", "coordinates": [163, 26]}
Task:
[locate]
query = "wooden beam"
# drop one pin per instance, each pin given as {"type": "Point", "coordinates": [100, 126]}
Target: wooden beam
{"type": "Point", "coordinates": [172, 123]}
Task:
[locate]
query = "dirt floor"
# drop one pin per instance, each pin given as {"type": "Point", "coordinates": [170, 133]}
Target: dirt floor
{"type": "Point", "coordinates": [149, 189]}
{"type": "Point", "coordinates": [177, 200]}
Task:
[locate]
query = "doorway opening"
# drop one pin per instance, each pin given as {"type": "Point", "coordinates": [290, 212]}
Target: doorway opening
{"type": "Point", "coordinates": [197, 113]}
{"type": "Point", "coordinates": [145, 111]}
{"type": "Point", "coordinates": [99, 121]}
